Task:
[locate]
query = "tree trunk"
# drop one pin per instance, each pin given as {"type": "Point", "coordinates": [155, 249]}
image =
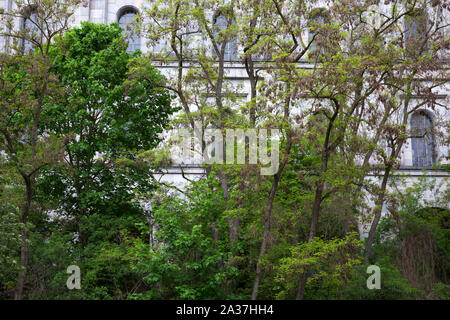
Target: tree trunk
{"type": "Point", "coordinates": [24, 249]}
{"type": "Point", "coordinates": [318, 197]}
{"type": "Point", "coordinates": [316, 210]}
{"type": "Point", "coordinates": [268, 213]}
{"type": "Point", "coordinates": [312, 233]}
{"type": "Point", "coordinates": [262, 250]}
{"type": "Point", "coordinates": [301, 286]}
{"type": "Point", "coordinates": [378, 210]}
{"type": "Point", "coordinates": [23, 263]}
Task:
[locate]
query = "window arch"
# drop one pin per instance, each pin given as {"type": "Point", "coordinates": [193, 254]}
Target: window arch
{"type": "Point", "coordinates": [422, 142]}
{"type": "Point", "coordinates": [415, 25]}
{"type": "Point", "coordinates": [126, 18]}
{"type": "Point", "coordinates": [220, 25]}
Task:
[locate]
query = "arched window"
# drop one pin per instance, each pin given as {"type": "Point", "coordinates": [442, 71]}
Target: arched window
{"type": "Point", "coordinates": [127, 18]}
{"type": "Point", "coordinates": [30, 26]}
{"type": "Point", "coordinates": [422, 142]}
{"type": "Point", "coordinates": [415, 30]}
{"type": "Point", "coordinates": [220, 26]}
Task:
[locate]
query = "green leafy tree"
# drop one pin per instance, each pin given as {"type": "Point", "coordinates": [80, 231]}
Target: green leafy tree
{"type": "Point", "coordinates": [183, 259]}
{"type": "Point", "coordinates": [339, 109]}
{"type": "Point", "coordinates": [108, 118]}
{"type": "Point", "coordinates": [28, 87]}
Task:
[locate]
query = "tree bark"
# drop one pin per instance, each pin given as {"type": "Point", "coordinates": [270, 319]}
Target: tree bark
{"type": "Point", "coordinates": [18, 294]}
{"type": "Point", "coordinates": [29, 181]}
{"type": "Point", "coordinates": [312, 233]}
{"type": "Point", "coordinates": [262, 250]}
{"type": "Point", "coordinates": [273, 190]}
{"type": "Point", "coordinates": [318, 193]}
{"type": "Point", "coordinates": [377, 211]}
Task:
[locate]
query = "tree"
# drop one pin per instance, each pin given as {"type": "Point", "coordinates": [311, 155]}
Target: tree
{"type": "Point", "coordinates": [27, 88]}
{"type": "Point", "coordinates": [109, 117]}
{"type": "Point", "coordinates": [357, 52]}
{"type": "Point", "coordinates": [81, 119]}
{"type": "Point", "coordinates": [416, 73]}
{"type": "Point", "coordinates": [345, 83]}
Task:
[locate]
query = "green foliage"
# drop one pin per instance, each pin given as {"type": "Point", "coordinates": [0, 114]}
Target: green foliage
{"type": "Point", "coordinates": [127, 111]}
{"type": "Point", "coordinates": [80, 122]}
{"type": "Point", "coordinates": [416, 238]}
{"type": "Point", "coordinates": [118, 118]}
{"type": "Point", "coordinates": [329, 264]}
{"type": "Point", "coordinates": [184, 261]}
{"type": "Point", "coordinates": [441, 291]}
{"type": "Point", "coordinates": [107, 119]}
{"type": "Point", "coordinates": [393, 285]}
{"type": "Point", "coordinates": [10, 242]}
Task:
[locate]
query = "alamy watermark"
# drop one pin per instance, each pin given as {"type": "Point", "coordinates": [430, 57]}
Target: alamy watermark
{"type": "Point", "coordinates": [374, 281]}
{"type": "Point", "coordinates": [229, 147]}
{"type": "Point", "coordinates": [74, 280]}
